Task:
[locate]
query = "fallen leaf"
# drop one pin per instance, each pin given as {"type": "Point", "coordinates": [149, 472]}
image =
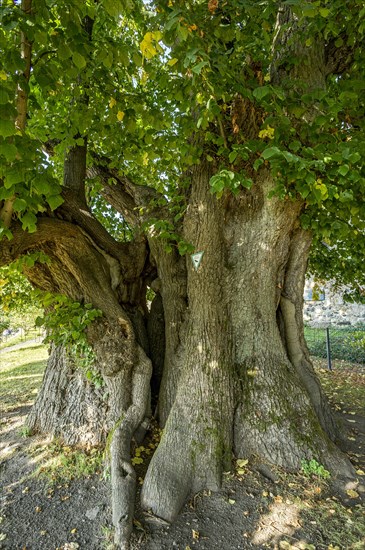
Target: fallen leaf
{"type": "Point", "coordinates": [360, 472]}
{"type": "Point", "coordinates": [231, 501]}
{"type": "Point", "coordinates": [351, 493]}
{"type": "Point", "coordinates": [38, 509]}
{"type": "Point", "coordinates": [2, 536]}
{"type": "Point", "coordinates": [25, 490]}
{"type": "Point", "coordinates": [43, 533]}
{"type": "Point", "coordinates": [73, 531]}
{"type": "Point", "coordinates": [278, 498]}
{"type": "Point", "coordinates": [196, 534]}
{"type": "Point", "coordinates": [241, 462]}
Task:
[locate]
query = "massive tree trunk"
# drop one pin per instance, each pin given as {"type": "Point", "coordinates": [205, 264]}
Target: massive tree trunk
{"type": "Point", "coordinates": [245, 382]}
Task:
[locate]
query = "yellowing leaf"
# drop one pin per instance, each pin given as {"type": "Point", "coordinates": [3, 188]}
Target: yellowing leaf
{"type": "Point", "coordinates": [3, 75]}
{"type": "Point", "coordinates": [149, 45]}
{"type": "Point", "coordinates": [251, 373]}
{"type": "Point", "coordinates": [241, 462]}
{"type": "Point", "coordinates": [120, 115]}
{"type": "Point", "coordinates": [137, 460]}
{"type": "Point", "coordinates": [145, 159]}
{"type": "Point", "coordinates": [267, 133]}
{"type": "Point", "coordinates": [112, 102]}
{"type": "Point", "coordinates": [351, 493]}
{"type": "Point", "coordinates": [172, 62]}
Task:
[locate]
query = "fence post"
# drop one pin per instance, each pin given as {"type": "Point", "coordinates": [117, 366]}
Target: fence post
{"type": "Point", "coordinates": [328, 347]}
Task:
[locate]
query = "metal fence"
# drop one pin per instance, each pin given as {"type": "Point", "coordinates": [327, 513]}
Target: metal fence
{"type": "Point", "coordinates": [337, 344]}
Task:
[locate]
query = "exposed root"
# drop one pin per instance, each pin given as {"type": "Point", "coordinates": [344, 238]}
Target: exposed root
{"type": "Point", "coordinates": [123, 476]}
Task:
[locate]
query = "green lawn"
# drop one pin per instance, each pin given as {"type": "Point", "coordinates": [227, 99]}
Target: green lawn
{"type": "Point", "coordinates": [21, 373]}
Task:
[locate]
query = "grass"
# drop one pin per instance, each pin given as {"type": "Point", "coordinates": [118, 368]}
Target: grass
{"type": "Point", "coordinates": [346, 344]}
{"type": "Point", "coordinates": [12, 340]}
{"type": "Point", "coordinates": [344, 386]}
{"type": "Point", "coordinates": [21, 373]}
{"type": "Point", "coordinates": [331, 522]}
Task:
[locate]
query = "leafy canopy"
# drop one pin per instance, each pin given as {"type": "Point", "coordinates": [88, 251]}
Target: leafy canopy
{"type": "Point", "coordinates": [154, 87]}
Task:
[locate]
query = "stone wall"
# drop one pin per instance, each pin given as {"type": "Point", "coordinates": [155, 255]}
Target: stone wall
{"type": "Point", "coordinates": [332, 311]}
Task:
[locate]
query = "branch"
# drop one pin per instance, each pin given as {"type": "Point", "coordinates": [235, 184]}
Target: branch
{"type": "Point", "coordinates": [79, 256]}
{"type": "Point", "coordinates": [21, 104]}
{"type": "Point", "coordinates": [132, 255]}
{"type": "Point", "coordinates": [124, 195]}
{"type": "Point", "coordinates": [7, 212]}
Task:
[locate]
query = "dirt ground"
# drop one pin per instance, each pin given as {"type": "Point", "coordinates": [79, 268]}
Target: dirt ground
{"type": "Point", "coordinates": [258, 507]}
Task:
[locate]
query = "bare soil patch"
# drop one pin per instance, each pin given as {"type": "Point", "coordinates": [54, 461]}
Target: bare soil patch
{"type": "Point", "coordinates": [46, 506]}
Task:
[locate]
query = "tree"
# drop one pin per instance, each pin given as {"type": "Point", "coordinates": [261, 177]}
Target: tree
{"type": "Point", "coordinates": [142, 133]}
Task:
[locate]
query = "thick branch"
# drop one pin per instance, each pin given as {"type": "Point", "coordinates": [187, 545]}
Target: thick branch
{"type": "Point", "coordinates": [132, 255]}
{"type": "Point", "coordinates": [78, 255]}
{"type": "Point", "coordinates": [74, 170]}
{"type": "Point", "coordinates": [7, 212]}
{"type": "Point", "coordinates": [123, 194]}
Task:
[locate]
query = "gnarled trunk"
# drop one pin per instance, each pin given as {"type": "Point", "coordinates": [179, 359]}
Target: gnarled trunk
{"type": "Point", "coordinates": [241, 386]}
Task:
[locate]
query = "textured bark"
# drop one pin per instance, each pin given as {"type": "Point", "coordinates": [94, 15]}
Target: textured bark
{"type": "Point", "coordinates": [127, 372]}
{"type": "Point", "coordinates": [291, 307]}
{"type": "Point", "coordinates": [240, 385]}
{"type": "Point", "coordinates": [197, 441]}
{"type": "Point", "coordinates": [68, 406]}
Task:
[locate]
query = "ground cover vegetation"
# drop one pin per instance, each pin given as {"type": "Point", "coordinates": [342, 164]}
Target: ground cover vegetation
{"type": "Point", "coordinates": [134, 134]}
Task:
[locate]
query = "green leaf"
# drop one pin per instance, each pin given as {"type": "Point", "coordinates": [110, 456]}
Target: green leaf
{"type": "Point", "coordinates": [55, 201]}
{"type": "Point", "coordinates": [9, 151]}
{"type": "Point", "coordinates": [64, 52]}
{"type": "Point", "coordinates": [271, 152]}
{"type": "Point", "coordinates": [4, 96]}
{"type": "Point", "coordinates": [7, 128]}
{"type": "Point", "coordinates": [79, 60]}
{"type": "Point", "coordinates": [232, 156]}
{"type": "Point", "coordinates": [324, 12]}
{"type": "Point", "coordinates": [197, 68]}
{"type": "Point", "coordinates": [261, 92]}
{"type": "Point", "coordinates": [29, 222]}
{"type": "Point", "coordinates": [20, 205]}
{"type": "Point", "coordinates": [343, 170]}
